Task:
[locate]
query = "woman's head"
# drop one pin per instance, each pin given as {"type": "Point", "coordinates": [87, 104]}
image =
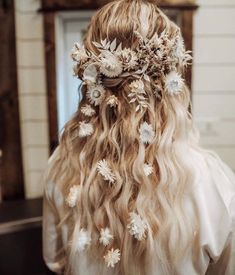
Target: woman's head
{"type": "Point", "coordinates": [122, 167]}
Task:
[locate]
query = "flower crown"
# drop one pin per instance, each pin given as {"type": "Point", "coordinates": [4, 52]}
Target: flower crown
{"type": "Point", "coordinates": [157, 60]}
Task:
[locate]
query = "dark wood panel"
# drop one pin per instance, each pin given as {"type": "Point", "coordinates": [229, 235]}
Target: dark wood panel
{"type": "Point", "coordinates": [49, 30]}
{"type": "Point", "coordinates": [11, 175]}
{"type": "Point", "coordinates": [62, 5]}
{"type": "Point", "coordinates": [21, 253]}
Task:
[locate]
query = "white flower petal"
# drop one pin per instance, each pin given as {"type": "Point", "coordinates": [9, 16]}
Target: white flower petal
{"type": "Point", "coordinates": [110, 66]}
{"type": "Point", "coordinates": [85, 129]}
{"type": "Point", "coordinates": [87, 110]}
{"type": "Point", "coordinates": [112, 257]}
{"type": "Point", "coordinates": [112, 101]}
{"type": "Point", "coordinates": [96, 94]}
{"type": "Point", "coordinates": [83, 239]}
{"type": "Point", "coordinates": [173, 83]}
{"type": "Point", "coordinates": [73, 196]}
{"type": "Point", "coordinates": [105, 171]}
{"type": "Point", "coordinates": [90, 73]}
{"type": "Point", "coordinates": [146, 132]}
{"type": "Point", "coordinates": [148, 169]}
{"type": "Point", "coordinates": [137, 226]}
{"type": "Point", "coordinates": [79, 53]}
{"type": "Point", "coordinates": [105, 236]}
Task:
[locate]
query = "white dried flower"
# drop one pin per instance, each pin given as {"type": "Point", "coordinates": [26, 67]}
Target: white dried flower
{"type": "Point", "coordinates": [110, 65]}
{"type": "Point", "coordinates": [85, 129]}
{"type": "Point", "coordinates": [112, 257]}
{"type": "Point", "coordinates": [105, 171]}
{"type": "Point", "coordinates": [74, 193]}
{"type": "Point", "coordinates": [87, 110]}
{"type": "Point", "coordinates": [148, 169]}
{"type": "Point", "coordinates": [137, 94]}
{"type": "Point", "coordinates": [79, 53]}
{"type": "Point", "coordinates": [112, 101]}
{"type": "Point", "coordinates": [90, 74]}
{"type": "Point", "coordinates": [128, 58]}
{"type": "Point", "coordinates": [96, 94]}
{"type": "Point", "coordinates": [146, 132]}
{"type": "Point", "coordinates": [137, 226]}
{"type": "Point", "coordinates": [105, 236]}
{"type": "Point", "coordinates": [173, 83]}
{"type": "Point", "coordinates": [181, 54]}
{"type": "Point", "coordinates": [83, 239]}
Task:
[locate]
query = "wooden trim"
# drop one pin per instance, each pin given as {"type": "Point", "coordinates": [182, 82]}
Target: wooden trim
{"type": "Point", "coordinates": [48, 7]}
{"type": "Point", "coordinates": [187, 32]}
{"type": "Point", "coordinates": [49, 40]}
{"type": "Point", "coordinates": [11, 168]}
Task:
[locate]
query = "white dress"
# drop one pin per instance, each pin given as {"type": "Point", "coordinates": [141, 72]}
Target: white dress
{"type": "Point", "coordinates": [215, 199]}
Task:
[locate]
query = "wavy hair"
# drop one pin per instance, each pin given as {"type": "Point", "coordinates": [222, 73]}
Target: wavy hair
{"type": "Point", "coordinates": [160, 197]}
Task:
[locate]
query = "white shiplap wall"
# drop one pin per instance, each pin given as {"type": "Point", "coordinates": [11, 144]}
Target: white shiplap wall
{"type": "Point", "coordinates": [214, 76]}
{"type": "Point", "coordinates": [32, 93]}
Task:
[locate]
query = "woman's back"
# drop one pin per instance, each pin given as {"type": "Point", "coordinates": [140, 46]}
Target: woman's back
{"type": "Point", "coordinates": [128, 190]}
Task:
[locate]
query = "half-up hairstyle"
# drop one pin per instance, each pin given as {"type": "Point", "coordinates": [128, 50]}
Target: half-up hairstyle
{"type": "Point", "coordinates": [125, 170]}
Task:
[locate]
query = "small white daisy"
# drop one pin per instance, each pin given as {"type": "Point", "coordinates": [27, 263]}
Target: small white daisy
{"type": "Point", "coordinates": [146, 132]}
{"type": "Point", "coordinates": [83, 239]}
{"type": "Point", "coordinates": [112, 257]}
{"type": "Point", "coordinates": [112, 101]}
{"type": "Point", "coordinates": [110, 65]}
{"type": "Point", "coordinates": [137, 86]}
{"type": "Point", "coordinates": [105, 171]}
{"type": "Point", "coordinates": [148, 169]}
{"type": "Point", "coordinates": [95, 94]}
{"type": "Point", "coordinates": [105, 236]}
{"type": "Point", "coordinates": [174, 83]}
{"type": "Point", "coordinates": [87, 110]}
{"type": "Point", "coordinates": [73, 196]}
{"type": "Point", "coordinates": [137, 226]}
{"type": "Point", "coordinates": [129, 58]}
{"type": "Point", "coordinates": [85, 129]}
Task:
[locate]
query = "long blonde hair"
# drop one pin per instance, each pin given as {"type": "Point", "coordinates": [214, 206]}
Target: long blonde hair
{"type": "Point", "coordinates": [159, 197]}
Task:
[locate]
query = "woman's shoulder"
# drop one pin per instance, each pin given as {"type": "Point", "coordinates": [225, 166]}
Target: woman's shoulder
{"type": "Point", "coordinates": [211, 170]}
{"type": "Point", "coordinates": [220, 176]}
{"type": "Point", "coordinates": [214, 195]}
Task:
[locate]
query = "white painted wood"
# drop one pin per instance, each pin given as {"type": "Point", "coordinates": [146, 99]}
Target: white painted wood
{"type": "Point", "coordinates": [211, 3]}
{"type": "Point", "coordinates": [214, 50]}
{"type": "Point", "coordinates": [215, 21]}
{"type": "Point", "coordinates": [30, 53]}
{"type": "Point", "coordinates": [35, 188]}
{"type": "Point", "coordinates": [26, 6]}
{"type": "Point", "coordinates": [33, 107]}
{"type": "Point", "coordinates": [35, 133]}
{"type": "Point", "coordinates": [31, 81]}
{"type": "Point", "coordinates": [36, 158]}
{"type": "Point", "coordinates": [216, 106]}
{"type": "Point", "coordinates": [216, 132]}
{"type": "Point", "coordinates": [214, 78]}
{"type": "Point", "coordinates": [29, 25]}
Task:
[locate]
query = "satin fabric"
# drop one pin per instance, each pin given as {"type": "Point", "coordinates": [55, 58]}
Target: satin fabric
{"type": "Point", "coordinates": [214, 194]}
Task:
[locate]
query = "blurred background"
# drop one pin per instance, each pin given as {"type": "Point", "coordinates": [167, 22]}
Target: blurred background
{"type": "Point", "coordinates": [38, 94]}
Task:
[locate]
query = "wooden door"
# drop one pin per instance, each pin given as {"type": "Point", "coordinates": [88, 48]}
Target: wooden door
{"type": "Point", "coordinates": [11, 176]}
